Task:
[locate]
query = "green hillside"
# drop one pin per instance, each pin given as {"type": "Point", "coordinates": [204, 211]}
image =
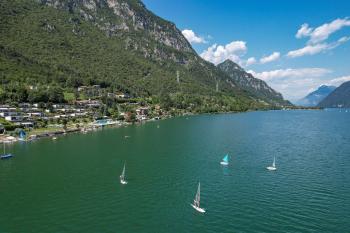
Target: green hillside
{"type": "Point", "coordinates": [51, 47]}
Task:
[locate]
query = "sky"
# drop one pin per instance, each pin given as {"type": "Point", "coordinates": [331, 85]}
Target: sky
{"type": "Point", "coordinates": [295, 46]}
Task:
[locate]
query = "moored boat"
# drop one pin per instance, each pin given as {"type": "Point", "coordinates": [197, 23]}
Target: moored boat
{"type": "Point", "coordinates": [4, 155]}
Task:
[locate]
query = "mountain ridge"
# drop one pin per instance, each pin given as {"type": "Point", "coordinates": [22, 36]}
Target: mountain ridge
{"type": "Point", "coordinates": [315, 97]}
{"type": "Point", "coordinates": [248, 82]}
{"type": "Point", "coordinates": [339, 98]}
{"type": "Point", "coordinates": [117, 44]}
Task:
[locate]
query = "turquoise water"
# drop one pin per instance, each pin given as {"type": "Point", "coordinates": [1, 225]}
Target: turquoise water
{"type": "Point", "coordinates": [72, 184]}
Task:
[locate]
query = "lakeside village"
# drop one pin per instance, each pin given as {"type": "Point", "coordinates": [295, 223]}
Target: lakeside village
{"type": "Point", "coordinates": [28, 121]}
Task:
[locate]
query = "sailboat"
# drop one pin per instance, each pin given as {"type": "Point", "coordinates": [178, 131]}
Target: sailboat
{"type": "Point", "coordinates": [22, 136]}
{"type": "Point", "coordinates": [224, 160]}
{"type": "Point", "coordinates": [4, 155]}
{"type": "Point", "coordinates": [196, 201]}
{"type": "Point", "coordinates": [273, 167]}
{"type": "Point", "coordinates": [122, 177]}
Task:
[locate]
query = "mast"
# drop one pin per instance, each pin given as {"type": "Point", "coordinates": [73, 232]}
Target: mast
{"type": "Point", "coordinates": [123, 173]}
{"type": "Point", "coordinates": [199, 193]}
{"type": "Point", "coordinates": [197, 198]}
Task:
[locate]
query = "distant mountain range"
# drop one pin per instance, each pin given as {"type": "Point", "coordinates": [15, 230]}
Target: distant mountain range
{"type": "Point", "coordinates": [315, 97]}
{"type": "Point", "coordinates": [339, 98]}
{"type": "Point", "coordinates": [254, 86]}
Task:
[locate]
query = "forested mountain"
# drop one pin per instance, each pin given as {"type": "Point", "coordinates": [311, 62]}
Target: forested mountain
{"type": "Point", "coordinates": [339, 98]}
{"type": "Point", "coordinates": [48, 47]}
{"type": "Point", "coordinates": [256, 87]}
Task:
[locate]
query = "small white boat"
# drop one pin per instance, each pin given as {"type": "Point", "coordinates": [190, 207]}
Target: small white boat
{"type": "Point", "coordinates": [122, 177]}
{"type": "Point", "coordinates": [54, 138]}
{"type": "Point", "coordinates": [224, 160]}
{"type": "Point", "coordinates": [197, 199]}
{"type": "Point", "coordinates": [273, 167]}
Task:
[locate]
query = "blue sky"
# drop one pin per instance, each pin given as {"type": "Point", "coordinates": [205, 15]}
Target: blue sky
{"type": "Point", "coordinates": [295, 46]}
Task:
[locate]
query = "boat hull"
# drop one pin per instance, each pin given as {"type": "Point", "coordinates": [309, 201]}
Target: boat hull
{"type": "Point", "coordinates": [201, 210]}
{"type": "Point", "coordinates": [271, 168]}
{"type": "Point", "coordinates": [224, 163]}
{"type": "Point", "coordinates": [6, 156]}
{"type": "Point", "coordinates": [123, 181]}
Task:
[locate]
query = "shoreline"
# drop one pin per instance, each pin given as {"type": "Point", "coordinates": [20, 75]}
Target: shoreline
{"type": "Point", "coordinates": [7, 138]}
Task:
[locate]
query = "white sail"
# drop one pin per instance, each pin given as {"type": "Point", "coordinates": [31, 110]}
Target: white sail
{"type": "Point", "coordinates": [122, 176]}
{"type": "Point", "coordinates": [197, 199]}
{"type": "Point", "coordinates": [274, 162]}
{"type": "Point", "coordinates": [123, 173]}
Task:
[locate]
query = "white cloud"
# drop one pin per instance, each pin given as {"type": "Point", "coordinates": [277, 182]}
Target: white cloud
{"type": "Point", "coordinates": [316, 48]}
{"type": "Point", "coordinates": [307, 50]}
{"type": "Point", "coordinates": [344, 39]}
{"type": "Point", "coordinates": [338, 81]}
{"type": "Point", "coordinates": [304, 31]}
{"type": "Point", "coordinates": [192, 37]}
{"type": "Point", "coordinates": [322, 32]}
{"type": "Point", "coordinates": [250, 61]}
{"type": "Point", "coordinates": [294, 83]}
{"type": "Point", "coordinates": [317, 36]}
{"type": "Point", "coordinates": [291, 73]}
{"type": "Point", "coordinates": [219, 53]}
{"type": "Point", "coordinates": [273, 57]}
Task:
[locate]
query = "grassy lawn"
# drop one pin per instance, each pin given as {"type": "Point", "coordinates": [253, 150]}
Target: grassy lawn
{"type": "Point", "coordinates": [44, 130]}
{"type": "Point", "coordinates": [69, 96]}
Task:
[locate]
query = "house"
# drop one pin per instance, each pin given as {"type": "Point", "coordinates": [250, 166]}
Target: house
{"type": "Point", "coordinates": [35, 114]}
{"type": "Point", "coordinates": [89, 103]}
{"type": "Point", "coordinates": [57, 106]}
{"type": "Point", "coordinates": [122, 95]}
{"type": "Point", "coordinates": [37, 105]}
{"type": "Point", "coordinates": [143, 111]}
{"type": "Point", "coordinates": [15, 118]}
{"type": "Point", "coordinates": [24, 105]}
{"type": "Point", "coordinates": [27, 124]}
{"type": "Point", "coordinates": [82, 88]}
{"type": "Point", "coordinates": [7, 111]}
{"type": "Point", "coordinates": [111, 95]}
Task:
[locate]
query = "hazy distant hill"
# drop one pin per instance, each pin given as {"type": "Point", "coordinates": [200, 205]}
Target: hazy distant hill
{"type": "Point", "coordinates": [340, 97]}
{"type": "Point", "coordinates": [315, 97]}
{"type": "Point", "coordinates": [246, 81]}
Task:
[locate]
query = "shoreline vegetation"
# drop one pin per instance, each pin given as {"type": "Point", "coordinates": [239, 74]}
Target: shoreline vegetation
{"type": "Point", "coordinates": [58, 130]}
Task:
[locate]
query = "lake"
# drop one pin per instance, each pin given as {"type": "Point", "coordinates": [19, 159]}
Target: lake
{"type": "Point", "coordinates": [72, 184]}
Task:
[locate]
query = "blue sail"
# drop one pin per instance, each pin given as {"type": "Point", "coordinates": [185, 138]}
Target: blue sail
{"type": "Point", "coordinates": [225, 159]}
{"type": "Point", "coordinates": [22, 134]}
